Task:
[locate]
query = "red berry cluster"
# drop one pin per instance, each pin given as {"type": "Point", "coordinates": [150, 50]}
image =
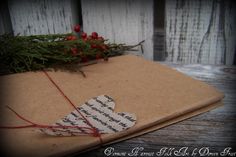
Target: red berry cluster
{"type": "Point", "coordinates": [95, 42]}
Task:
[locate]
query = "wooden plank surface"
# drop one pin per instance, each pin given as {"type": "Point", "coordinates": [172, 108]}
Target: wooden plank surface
{"type": "Point", "coordinates": [200, 31]}
{"type": "Point", "coordinates": [5, 21]}
{"type": "Point", "coordinates": [31, 17]}
{"type": "Point", "coordinates": [214, 129]}
{"type": "Point", "coordinates": [124, 21]}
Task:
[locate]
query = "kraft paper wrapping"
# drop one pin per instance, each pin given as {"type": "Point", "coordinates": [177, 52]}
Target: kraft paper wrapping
{"type": "Point", "coordinates": [158, 95]}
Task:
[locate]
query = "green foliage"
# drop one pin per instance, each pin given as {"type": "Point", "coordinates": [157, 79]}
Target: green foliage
{"type": "Point", "coordinates": [29, 53]}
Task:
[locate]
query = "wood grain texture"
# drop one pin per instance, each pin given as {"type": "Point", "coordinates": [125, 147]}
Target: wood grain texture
{"type": "Point", "coordinates": [200, 31]}
{"type": "Point", "coordinates": [31, 17]}
{"type": "Point", "coordinates": [124, 21]}
{"type": "Point", "coordinates": [5, 22]}
{"type": "Point", "coordinates": [214, 129]}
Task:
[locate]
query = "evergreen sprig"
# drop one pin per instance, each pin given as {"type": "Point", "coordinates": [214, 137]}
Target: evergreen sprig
{"type": "Point", "coordinates": [36, 52]}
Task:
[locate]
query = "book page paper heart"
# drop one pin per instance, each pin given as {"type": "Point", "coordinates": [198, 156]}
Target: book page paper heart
{"type": "Point", "coordinates": [99, 111]}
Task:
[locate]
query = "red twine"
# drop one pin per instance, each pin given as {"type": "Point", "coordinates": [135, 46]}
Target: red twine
{"type": "Point", "coordinates": [94, 131]}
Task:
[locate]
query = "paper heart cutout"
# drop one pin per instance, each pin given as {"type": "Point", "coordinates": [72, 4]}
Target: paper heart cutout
{"type": "Point", "coordinates": [99, 111]}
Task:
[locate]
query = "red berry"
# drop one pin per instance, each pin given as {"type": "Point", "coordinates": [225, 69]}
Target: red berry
{"type": "Point", "coordinates": [68, 37]}
{"type": "Point", "coordinates": [84, 35]}
{"type": "Point", "coordinates": [71, 37]}
{"type": "Point", "coordinates": [74, 51]}
{"type": "Point", "coordinates": [77, 28]}
{"type": "Point", "coordinates": [93, 46]}
{"type": "Point", "coordinates": [94, 35]}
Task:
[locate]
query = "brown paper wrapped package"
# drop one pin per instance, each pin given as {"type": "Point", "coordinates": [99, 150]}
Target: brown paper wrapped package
{"type": "Point", "coordinates": [158, 95]}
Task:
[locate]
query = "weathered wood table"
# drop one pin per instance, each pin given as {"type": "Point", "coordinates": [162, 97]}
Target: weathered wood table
{"type": "Point", "coordinates": [211, 132]}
